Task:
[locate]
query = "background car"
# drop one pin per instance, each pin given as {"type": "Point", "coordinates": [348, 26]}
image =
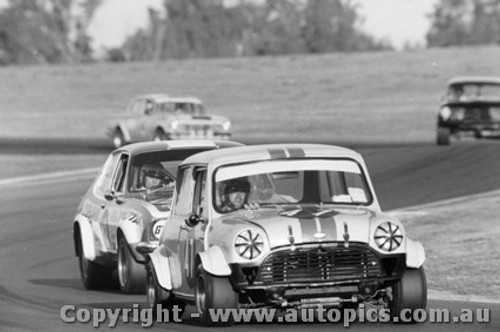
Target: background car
{"type": "Point", "coordinates": [122, 214]}
{"type": "Point", "coordinates": [471, 108]}
{"type": "Point", "coordinates": [282, 226]}
{"type": "Point", "coordinates": [163, 117]}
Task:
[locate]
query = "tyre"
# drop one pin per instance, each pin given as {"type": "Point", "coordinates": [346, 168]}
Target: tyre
{"type": "Point", "coordinates": [92, 275]}
{"type": "Point", "coordinates": [131, 274]}
{"type": "Point", "coordinates": [118, 138]}
{"type": "Point", "coordinates": [409, 293]}
{"type": "Point", "coordinates": [213, 292]}
{"type": "Point", "coordinates": [159, 297]}
{"type": "Point", "coordinates": [160, 135]}
{"type": "Point", "coordinates": [443, 136]}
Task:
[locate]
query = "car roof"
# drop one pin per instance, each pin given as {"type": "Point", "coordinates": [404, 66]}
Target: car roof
{"type": "Point", "coordinates": [163, 97]}
{"type": "Point", "coordinates": [270, 152]}
{"type": "Point", "coordinates": [142, 147]}
{"type": "Point", "coordinates": [474, 80]}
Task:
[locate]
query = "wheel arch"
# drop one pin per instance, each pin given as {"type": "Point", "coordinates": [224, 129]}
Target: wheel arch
{"type": "Point", "coordinates": [214, 262]}
{"type": "Point", "coordinates": [126, 133]}
{"type": "Point", "coordinates": [83, 229]}
{"type": "Point", "coordinates": [415, 254]}
{"type": "Point", "coordinates": [161, 267]}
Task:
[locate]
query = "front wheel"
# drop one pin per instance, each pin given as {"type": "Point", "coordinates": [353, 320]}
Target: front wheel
{"type": "Point", "coordinates": [408, 295]}
{"type": "Point", "coordinates": [131, 274]}
{"type": "Point", "coordinates": [213, 293]}
{"type": "Point", "coordinates": [160, 135]}
{"type": "Point", "coordinates": [443, 136]}
{"type": "Point", "coordinates": [160, 299]}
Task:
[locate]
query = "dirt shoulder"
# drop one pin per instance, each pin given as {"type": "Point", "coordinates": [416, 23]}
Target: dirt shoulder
{"type": "Point", "coordinates": [460, 237]}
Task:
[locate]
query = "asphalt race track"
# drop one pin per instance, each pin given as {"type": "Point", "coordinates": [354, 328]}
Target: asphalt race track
{"type": "Point", "coordinates": [39, 272]}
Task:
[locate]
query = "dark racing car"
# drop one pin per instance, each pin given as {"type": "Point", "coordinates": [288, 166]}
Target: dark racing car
{"type": "Point", "coordinates": [471, 108]}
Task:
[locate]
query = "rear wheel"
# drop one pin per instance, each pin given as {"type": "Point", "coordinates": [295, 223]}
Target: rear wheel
{"type": "Point", "coordinates": [213, 293]}
{"type": "Point", "coordinates": [408, 295]}
{"type": "Point", "coordinates": [131, 274]}
{"type": "Point", "coordinates": [118, 138]}
{"type": "Point", "coordinates": [443, 136]}
{"type": "Point", "coordinates": [159, 298]}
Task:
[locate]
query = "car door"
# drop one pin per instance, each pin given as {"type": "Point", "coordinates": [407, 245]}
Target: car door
{"type": "Point", "coordinates": [191, 237]}
{"type": "Point", "coordinates": [176, 223]}
{"type": "Point", "coordinates": [116, 209]}
{"type": "Point", "coordinates": [98, 202]}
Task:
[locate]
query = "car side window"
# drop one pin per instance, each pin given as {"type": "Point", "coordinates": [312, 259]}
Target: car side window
{"type": "Point", "coordinates": [104, 180]}
{"type": "Point", "coordinates": [119, 178]}
{"type": "Point", "coordinates": [199, 203]}
{"type": "Point", "coordinates": [184, 186]}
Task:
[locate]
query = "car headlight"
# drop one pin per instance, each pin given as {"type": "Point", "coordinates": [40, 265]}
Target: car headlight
{"type": "Point", "coordinates": [156, 228]}
{"type": "Point", "coordinates": [445, 113]}
{"type": "Point", "coordinates": [388, 236]}
{"type": "Point", "coordinates": [226, 125]}
{"type": "Point", "coordinates": [174, 124]}
{"type": "Point", "coordinates": [249, 244]}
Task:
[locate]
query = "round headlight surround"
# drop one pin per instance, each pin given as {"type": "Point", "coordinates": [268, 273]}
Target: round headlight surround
{"type": "Point", "coordinates": [388, 236]}
{"type": "Point", "coordinates": [226, 125]}
{"type": "Point", "coordinates": [445, 113]}
{"type": "Point", "coordinates": [174, 124]}
{"type": "Point", "coordinates": [249, 244]}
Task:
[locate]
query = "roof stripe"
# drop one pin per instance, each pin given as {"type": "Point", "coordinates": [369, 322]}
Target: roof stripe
{"type": "Point", "coordinates": [296, 152]}
{"type": "Point", "coordinates": [277, 153]}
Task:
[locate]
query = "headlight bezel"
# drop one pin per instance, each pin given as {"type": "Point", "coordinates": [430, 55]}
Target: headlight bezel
{"type": "Point", "coordinates": [388, 236]}
{"type": "Point", "coordinates": [445, 112]}
{"type": "Point", "coordinates": [174, 124]}
{"type": "Point", "coordinates": [226, 125]}
{"type": "Point", "coordinates": [249, 244]}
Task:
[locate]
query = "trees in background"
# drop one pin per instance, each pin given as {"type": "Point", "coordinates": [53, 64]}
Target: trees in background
{"type": "Point", "coordinates": [207, 28]}
{"type": "Point", "coordinates": [43, 31]}
{"type": "Point", "coordinates": [464, 22]}
{"type": "Point", "coordinates": [54, 31]}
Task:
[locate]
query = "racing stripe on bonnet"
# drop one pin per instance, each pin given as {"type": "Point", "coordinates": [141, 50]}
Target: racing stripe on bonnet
{"type": "Point", "coordinates": [308, 227]}
{"type": "Point", "coordinates": [325, 229]}
{"type": "Point", "coordinates": [277, 153]}
{"type": "Point", "coordinates": [296, 152]}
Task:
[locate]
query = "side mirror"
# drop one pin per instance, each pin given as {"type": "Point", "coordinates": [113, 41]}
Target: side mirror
{"type": "Point", "coordinates": [109, 195]}
{"type": "Point", "coordinates": [193, 220]}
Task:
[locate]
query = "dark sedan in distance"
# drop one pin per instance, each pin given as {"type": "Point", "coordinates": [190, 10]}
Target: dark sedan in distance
{"type": "Point", "coordinates": [471, 108]}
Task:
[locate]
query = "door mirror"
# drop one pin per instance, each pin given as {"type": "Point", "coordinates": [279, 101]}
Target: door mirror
{"type": "Point", "coordinates": [193, 220]}
{"type": "Point", "coordinates": [109, 195]}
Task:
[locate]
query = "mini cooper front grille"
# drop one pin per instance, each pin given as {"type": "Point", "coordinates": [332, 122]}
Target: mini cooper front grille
{"type": "Point", "coordinates": [320, 264]}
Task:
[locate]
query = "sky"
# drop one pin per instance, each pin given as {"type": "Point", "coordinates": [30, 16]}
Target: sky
{"type": "Point", "coordinates": [398, 21]}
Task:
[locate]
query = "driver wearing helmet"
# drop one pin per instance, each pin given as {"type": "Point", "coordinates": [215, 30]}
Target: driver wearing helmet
{"type": "Point", "coordinates": [234, 194]}
{"type": "Point", "coordinates": [154, 176]}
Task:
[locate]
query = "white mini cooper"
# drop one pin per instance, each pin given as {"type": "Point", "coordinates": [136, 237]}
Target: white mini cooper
{"type": "Point", "coordinates": [282, 226]}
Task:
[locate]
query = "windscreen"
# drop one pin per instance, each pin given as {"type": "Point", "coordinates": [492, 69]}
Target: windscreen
{"type": "Point", "coordinates": [187, 108]}
{"type": "Point", "coordinates": [464, 92]}
{"type": "Point", "coordinates": [158, 164]}
{"type": "Point", "coordinates": [290, 182]}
